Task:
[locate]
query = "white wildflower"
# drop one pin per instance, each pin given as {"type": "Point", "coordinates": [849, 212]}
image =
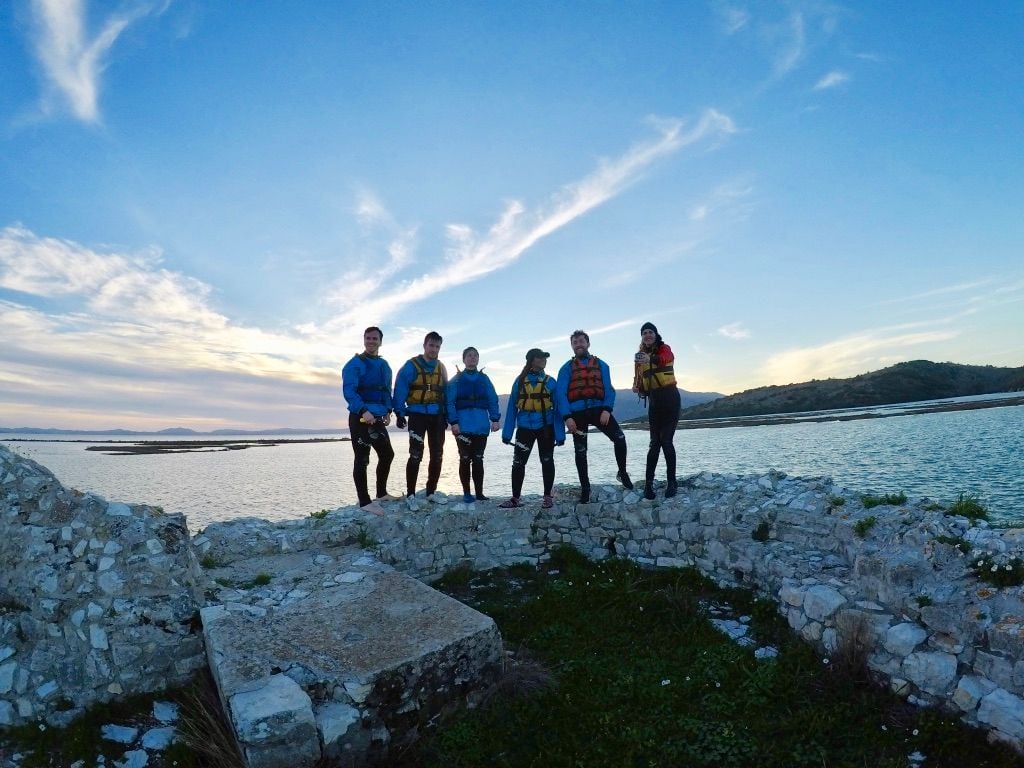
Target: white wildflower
{"type": "Point", "coordinates": [666, 681]}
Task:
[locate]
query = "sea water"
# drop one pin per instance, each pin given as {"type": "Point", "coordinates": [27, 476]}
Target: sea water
{"type": "Point", "coordinates": [939, 455]}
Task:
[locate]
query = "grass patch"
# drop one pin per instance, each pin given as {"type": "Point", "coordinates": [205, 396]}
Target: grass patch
{"type": "Point", "coordinates": [640, 677]}
{"type": "Point", "coordinates": [210, 561]}
{"type": "Point", "coordinates": [891, 499]}
{"type": "Point", "coordinates": [318, 515]}
{"type": "Point", "coordinates": [761, 531]}
{"type": "Point", "coordinates": [43, 745]}
{"type": "Point", "coordinates": [862, 527]}
{"type": "Point", "coordinates": [968, 505]}
{"type": "Point", "coordinates": [365, 539]}
{"type": "Point", "coordinates": [834, 500]}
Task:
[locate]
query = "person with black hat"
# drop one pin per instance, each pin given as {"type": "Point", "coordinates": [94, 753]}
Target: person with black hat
{"type": "Point", "coordinates": [584, 396]}
{"type": "Point", "coordinates": [654, 380]}
{"type": "Point", "coordinates": [531, 413]}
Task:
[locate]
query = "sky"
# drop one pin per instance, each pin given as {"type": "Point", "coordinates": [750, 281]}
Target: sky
{"type": "Point", "coordinates": [203, 204]}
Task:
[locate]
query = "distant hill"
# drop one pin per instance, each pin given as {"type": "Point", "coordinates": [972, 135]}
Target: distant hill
{"type": "Point", "coordinates": [628, 406]}
{"type": "Point", "coordinates": [901, 383]}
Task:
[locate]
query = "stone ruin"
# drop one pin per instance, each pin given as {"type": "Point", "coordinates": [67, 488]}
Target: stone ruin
{"type": "Point", "coordinates": [324, 637]}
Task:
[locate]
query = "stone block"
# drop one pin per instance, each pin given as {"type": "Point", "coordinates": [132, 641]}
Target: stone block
{"type": "Point", "coordinates": [971, 690]}
{"type": "Point", "coordinates": [931, 672]}
{"type": "Point", "coordinates": [821, 601]}
{"type": "Point", "coordinates": [276, 714]}
{"type": "Point", "coordinates": [1003, 711]}
{"type": "Point", "coordinates": [902, 639]}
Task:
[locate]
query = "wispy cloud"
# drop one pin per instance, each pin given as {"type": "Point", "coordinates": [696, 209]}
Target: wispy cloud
{"type": "Point", "coordinates": [469, 257]}
{"type": "Point", "coordinates": [71, 62]}
{"type": "Point", "coordinates": [734, 331]}
{"type": "Point", "coordinates": [793, 35]}
{"type": "Point", "coordinates": [733, 18]}
{"type": "Point", "coordinates": [943, 291]}
{"type": "Point", "coordinates": [848, 356]}
{"type": "Point", "coordinates": [831, 80]}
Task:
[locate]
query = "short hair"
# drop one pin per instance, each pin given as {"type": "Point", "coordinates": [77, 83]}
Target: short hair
{"type": "Point", "coordinates": [375, 328]}
{"type": "Point", "coordinates": [467, 350]}
{"type": "Point", "coordinates": [433, 336]}
{"type": "Point", "coordinates": [579, 333]}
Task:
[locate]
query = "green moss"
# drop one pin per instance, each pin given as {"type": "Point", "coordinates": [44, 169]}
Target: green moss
{"type": "Point", "coordinates": [891, 499]}
{"type": "Point", "coordinates": [318, 515]}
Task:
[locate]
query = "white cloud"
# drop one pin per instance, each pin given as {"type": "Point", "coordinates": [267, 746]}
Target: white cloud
{"type": "Point", "coordinates": [734, 331]}
{"type": "Point", "coordinates": [942, 291]}
{"type": "Point", "coordinates": [71, 62]}
{"type": "Point", "coordinates": [831, 80]}
{"type": "Point", "coordinates": [789, 54]}
{"type": "Point", "coordinates": [469, 257]}
{"type": "Point", "coordinates": [699, 213]}
{"type": "Point", "coordinates": [844, 357]}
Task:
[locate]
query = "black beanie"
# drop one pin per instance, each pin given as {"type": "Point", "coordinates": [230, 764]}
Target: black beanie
{"type": "Point", "coordinates": [652, 326]}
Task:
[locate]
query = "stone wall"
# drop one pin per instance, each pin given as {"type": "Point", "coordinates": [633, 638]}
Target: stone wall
{"type": "Point", "coordinates": [900, 586]}
{"type": "Point", "coordinates": [903, 589]}
{"type": "Point", "coordinates": [95, 597]}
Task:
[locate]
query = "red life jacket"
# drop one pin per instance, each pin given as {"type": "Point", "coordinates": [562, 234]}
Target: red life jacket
{"type": "Point", "coordinates": [586, 382]}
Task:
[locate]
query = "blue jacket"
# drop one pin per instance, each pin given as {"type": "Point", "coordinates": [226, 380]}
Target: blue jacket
{"type": "Point", "coordinates": [515, 418]}
{"type": "Point", "coordinates": [407, 376]}
{"type": "Point", "coordinates": [366, 383]}
{"type": "Point", "coordinates": [567, 409]}
{"type": "Point", "coordinates": [472, 403]}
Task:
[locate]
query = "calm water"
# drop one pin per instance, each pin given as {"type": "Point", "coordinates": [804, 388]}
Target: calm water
{"type": "Point", "coordinates": [937, 455]}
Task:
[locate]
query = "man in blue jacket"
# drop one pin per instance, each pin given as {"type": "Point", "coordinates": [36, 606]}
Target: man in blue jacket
{"type": "Point", "coordinates": [366, 384]}
{"type": "Point", "coordinates": [420, 395]}
{"type": "Point", "coordinates": [584, 396]}
{"type": "Point", "coordinates": [531, 413]}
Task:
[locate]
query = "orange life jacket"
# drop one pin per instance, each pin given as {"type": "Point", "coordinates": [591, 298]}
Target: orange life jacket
{"type": "Point", "coordinates": [428, 386]}
{"type": "Point", "coordinates": [585, 382]}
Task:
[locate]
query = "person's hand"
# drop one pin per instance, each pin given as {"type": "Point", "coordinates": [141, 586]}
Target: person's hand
{"type": "Point", "coordinates": [455, 430]}
{"type": "Point", "coordinates": [570, 425]}
{"type": "Point", "coordinates": [494, 426]}
{"type": "Point", "coordinates": [367, 418]}
{"type": "Point", "coordinates": [636, 389]}
{"type": "Point", "coordinates": [604, 418]}
{"type": "Point", "coordinates": [400, 421]}
{"type": "Point", "coordinates": [387, 419]}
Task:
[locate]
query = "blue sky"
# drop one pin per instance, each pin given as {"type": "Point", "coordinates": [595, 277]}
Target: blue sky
{"type": "Point", "coordinates": [203, 204]}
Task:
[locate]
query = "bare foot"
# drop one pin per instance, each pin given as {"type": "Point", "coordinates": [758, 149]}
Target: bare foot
{"type": "Point", "coordinates": [374, 508]}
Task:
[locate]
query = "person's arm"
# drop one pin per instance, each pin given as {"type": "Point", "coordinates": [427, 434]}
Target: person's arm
{"type": "Point", "coordinates": [493, 408]}
{"type": "Point", "coordinates": [511, 413]}
{"type": "Point", "coordinates": [665, 356]}
{"type": "Point", "coordinates": [451, 392]}
{"type": "Point", "coordinates": [350, 376]}
{"type": "Point", "coordinates": [405, 376]}
{"type": "Point", "coordinates": [562, 390]}
{"type": "Point", "coordinates": [609, 391]}
{"type": "Point", "coordinates": [389, 402]}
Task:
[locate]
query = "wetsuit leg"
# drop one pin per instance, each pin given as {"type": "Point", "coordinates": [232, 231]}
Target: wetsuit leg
{"type": "Point", "coordinates": [546, 449]}
{"type": "Point", "coordinates": [435, 445]}
{"type": "Point", "coordinates": [614, 433]}
{"type": "Point", "coordinates": [381, 444]}
{"type": "Point", "coordinates": [579, 444]}
{"type": "Point", "coordinates": [360, 435]}
{"type": "Point", "coordinates": [417, 432]}
{"type": "Point", "coordinates": [523, 445]}
{"type": "Point", "coordinates": [479, 446]}
{"type": "Point", "coordinates": [465, 445]}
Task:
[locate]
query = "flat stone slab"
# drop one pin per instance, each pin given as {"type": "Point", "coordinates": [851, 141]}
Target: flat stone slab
{"type": "Point", "coordinates": [339, 655]}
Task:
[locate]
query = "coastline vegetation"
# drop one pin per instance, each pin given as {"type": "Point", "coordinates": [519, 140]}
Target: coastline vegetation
{"type": "Point", "coordinates": [889, 499]}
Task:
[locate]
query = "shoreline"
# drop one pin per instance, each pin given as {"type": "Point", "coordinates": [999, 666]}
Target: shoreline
{"type": "Point", "coordinates": [787, 418]}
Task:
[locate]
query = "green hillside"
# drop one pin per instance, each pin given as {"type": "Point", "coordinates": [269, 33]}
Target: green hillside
{"type": "Point", "coordinates": [900, 383]}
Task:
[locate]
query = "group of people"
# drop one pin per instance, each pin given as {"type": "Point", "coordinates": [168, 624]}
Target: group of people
{"type": "Point", "coordinates": [541, 410]}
